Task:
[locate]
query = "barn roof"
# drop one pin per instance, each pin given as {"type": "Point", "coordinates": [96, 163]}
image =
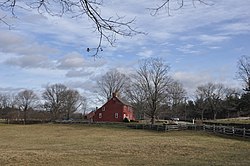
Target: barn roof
{"type": "Point", "coordinates": [123, 101]}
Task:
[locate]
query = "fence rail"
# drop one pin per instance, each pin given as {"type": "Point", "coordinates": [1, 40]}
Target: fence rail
{"type": "Point", "coordinates": [226, 130]}
{"type": "Point", "coordinates": [241, 132]}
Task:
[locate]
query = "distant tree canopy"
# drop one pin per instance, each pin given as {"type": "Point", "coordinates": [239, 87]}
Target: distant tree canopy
{"type": "Point", "coordinates": [62, 101]}
{"type": "Point", "coordinates": [107, 27]}
{"type": "Point", "coordinates": [244, 104]}
{"type": "Point", "coordinates": [215, 98]}
{"type": "Point", "coordinates": [26, 99]}
{"type": "Point", "coordinates": [58, 102]}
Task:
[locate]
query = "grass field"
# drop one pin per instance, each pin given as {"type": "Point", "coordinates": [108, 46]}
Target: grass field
{"type": "Point", "coordinates": [51, 144]}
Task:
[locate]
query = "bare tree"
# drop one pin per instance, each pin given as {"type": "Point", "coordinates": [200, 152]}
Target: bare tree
{"type": "Point", "coordinates": [152, 81]}
{"type": "Point", "coordinates": [7, 100]}
{"type": "Point", "coordinates": [84, 104]}
{"type": "Point", "coordinates": [176, 93]}
{"type": "Point", "coordinates": [25, 100]}
{"type": "Point", "coordinates": [134, 93]}
{"type": "Point", "coordinates": [7, 106]}
{"type": "Point", "coordinates": [72, 102]}
{"type": "Point", "coordinates": [54, 96]}
{"type": "Point", "coordinates": [112, 81]}
{"type": "Point", "coordinates": [213, 94]}
{"type": "Point", "coordinates": [177, 100]}
{"type": "Point", "coordinates": [4, 101]}
{"type": "Point", "coordinates": [201, 100]}
{"type": "Point", "coordinates": [244, 71]}
{"type": "Point", "coordinates": [61, 101]}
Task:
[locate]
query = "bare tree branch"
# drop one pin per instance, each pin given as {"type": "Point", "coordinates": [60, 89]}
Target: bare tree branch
{"type": "Point", "coordinates": [3, 21]}
{"type": "Point", "coordinates": [107, 28]}
{"type": "Point", "coordinates": [244, 71]}
{"type": "Point", "coordinates": [166, 5]}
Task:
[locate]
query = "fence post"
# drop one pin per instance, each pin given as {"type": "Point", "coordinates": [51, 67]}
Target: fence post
{"type": "Point", "coordinates": [214, 128]}
{"type": "Point", "coordinates": [244, 132]}
{"type": "Point", "coordinates": [204, 127]}
{"type": "Point", "coordinates": [224, 129]}
{"type": "Point", "coordinates": [233, 130]}
{"type": "Point", "coordinates": [164, 127]}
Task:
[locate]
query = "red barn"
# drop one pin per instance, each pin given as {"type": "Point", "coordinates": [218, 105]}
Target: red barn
{"type": "Point", "coordinates": [114, 110]}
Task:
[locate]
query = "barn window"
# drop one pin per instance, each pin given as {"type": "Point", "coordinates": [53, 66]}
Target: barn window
{"type": "Point", "coordinates": [116, 115]}
{"type": "Point", "coordinates": [103, 108]}
{"type": "Point", "coordinates": [100, 115]}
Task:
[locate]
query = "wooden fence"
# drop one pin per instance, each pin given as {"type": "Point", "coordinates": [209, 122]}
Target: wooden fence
{"type": "Point", "coordinates": [227, 130]}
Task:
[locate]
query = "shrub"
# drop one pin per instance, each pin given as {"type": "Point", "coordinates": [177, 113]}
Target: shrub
{"type": "Point", "coordinates": [126, 120]}
{"type": "Point", "coordinates": [136, 121]}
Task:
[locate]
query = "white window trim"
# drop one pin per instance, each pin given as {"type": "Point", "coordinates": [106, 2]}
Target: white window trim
{"type": "Point", "coordinates": [116, 115]}
{"type": "Point", "coordinates": [103, 108]}
{"type": "Point", "coordinates": [100, 115]}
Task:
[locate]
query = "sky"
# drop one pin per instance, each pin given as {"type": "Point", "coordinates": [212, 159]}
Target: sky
{"type": "Point", "coordinates": [201, 44]}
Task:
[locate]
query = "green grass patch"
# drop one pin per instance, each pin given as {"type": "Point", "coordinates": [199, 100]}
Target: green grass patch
{"type": "Point", "coordinates": [56, 144]}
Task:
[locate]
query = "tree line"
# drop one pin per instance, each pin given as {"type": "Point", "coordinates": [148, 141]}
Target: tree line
{"type": "Point", "coordinates": [150, 89]}
{"type": "Point", "coordinates": [57, 102]}
{"type": "Point", "coordinates": [155, 94]}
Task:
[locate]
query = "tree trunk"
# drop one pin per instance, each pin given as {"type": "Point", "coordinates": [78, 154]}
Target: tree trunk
{"type": "Point", "coordinates": [24, 116]}
{"type": "Point", "coordinates": [215, 114]}
{"type": "Point", "coordinates": [68, 115]}
{"type": "Point", "coordinates": [153, 120]}
{"type": "Point", "coordinates": [202, 113]}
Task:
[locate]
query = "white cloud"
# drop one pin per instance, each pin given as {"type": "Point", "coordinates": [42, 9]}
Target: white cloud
{"type": "Point", "coordinates": [235, 28]}
{"type": "Point", "coordinates": [78, 73]}
{"type": "Point", "coordinates": [191, 80]}
{"type": "Point", "coordinates": [19, 43]}
{"type": "Point", "coordinates": [29, 61]}
{"type": "Point", "coordinates": [145, 53]}
{"type": "Point", "coordinates": [72, 60]}
{"type": "Point", "coordinates": [211, 39]}
{"type": "Point", "coordinates": [188, 49]}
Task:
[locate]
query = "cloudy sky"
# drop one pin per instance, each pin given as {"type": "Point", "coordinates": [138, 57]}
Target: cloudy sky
{"type": "Point", "coordinates": [201, 43]}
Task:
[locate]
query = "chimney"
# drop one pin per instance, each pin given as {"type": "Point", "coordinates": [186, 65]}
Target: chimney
{"type": "Point", "coordinates": [115, 94]}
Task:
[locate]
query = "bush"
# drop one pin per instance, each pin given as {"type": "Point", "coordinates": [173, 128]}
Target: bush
{"type": "Point", "coordinates": [136, 121]}
{"type": "Point", "coordinates": [126, 120]}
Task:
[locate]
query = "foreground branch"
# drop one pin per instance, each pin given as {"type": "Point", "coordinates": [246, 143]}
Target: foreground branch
{"type": "Point", "coordinates": [166, 5]}
{"type": "Point", "coordinates": [107, 28]}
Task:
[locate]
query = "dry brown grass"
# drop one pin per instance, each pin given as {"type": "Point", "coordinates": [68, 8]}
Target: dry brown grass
{"type": "Point", "coordinates": [52, 144]}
